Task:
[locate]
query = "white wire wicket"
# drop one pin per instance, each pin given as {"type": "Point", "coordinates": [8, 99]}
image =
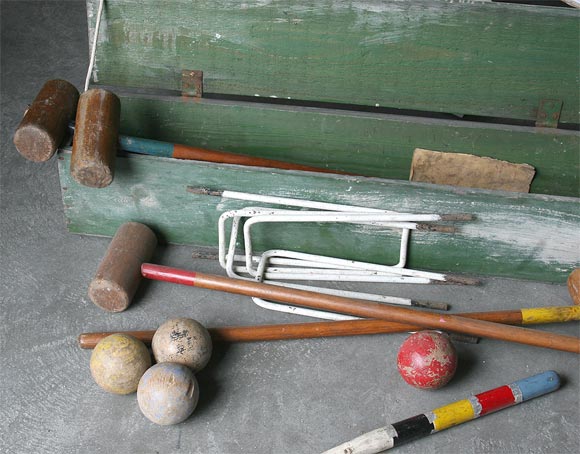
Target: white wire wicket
{"type": "Point", "coordinates": [277, 265]}
{"type": "Point", "coordinates": [94, 45]}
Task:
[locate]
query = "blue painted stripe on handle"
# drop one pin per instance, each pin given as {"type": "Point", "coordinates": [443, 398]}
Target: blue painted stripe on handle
{"type": "Point", "coordinates": [146, 146]}
{"type": "Point", "coordinates": [536, 385]}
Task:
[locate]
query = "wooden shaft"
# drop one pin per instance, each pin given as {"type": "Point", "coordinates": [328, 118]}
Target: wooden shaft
{"type": "Point", "coordinates": [179, 151]}
{"type": "Point", "coordinates": [340, 328]}
{"type": "Point", "coordinates": [444, 322]}
{"type": "Point", "coordinates": [202, 154]}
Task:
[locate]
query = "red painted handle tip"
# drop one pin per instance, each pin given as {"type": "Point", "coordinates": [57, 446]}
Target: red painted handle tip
{"type": "Point", "coordinates": [167, 274]}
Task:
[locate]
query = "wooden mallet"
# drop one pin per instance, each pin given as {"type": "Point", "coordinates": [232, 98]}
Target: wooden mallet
{"type": "Point", "coordinates": [312, 330]}
{"type": "Point", "coordinates": [96, 136]}
{"type": "Point", "coordinates": [444, 322]}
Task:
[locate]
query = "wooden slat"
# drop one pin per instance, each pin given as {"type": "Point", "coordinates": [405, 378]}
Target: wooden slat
{"type": "Point", "coordinates": [492, 59]}
{"type": "Point", "coordinates": [369, 144]}
{"type": "Point", "coordinates": [516, 235]}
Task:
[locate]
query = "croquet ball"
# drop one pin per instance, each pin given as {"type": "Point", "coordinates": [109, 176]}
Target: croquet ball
{"type": "Point", "coordinates": [427, 360]}
{"type": "Point", "coordinates": [168, 393]}
{"type": "Point", "coordinates": [118, 362]}
{"type": "Point", "coordinates": [183, 341]}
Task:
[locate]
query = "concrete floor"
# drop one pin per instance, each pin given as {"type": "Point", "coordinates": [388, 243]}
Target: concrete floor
{"type": "Point", "coordinates": [300, 396]}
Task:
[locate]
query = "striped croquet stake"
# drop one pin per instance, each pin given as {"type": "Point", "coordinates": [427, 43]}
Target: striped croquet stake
{"type": "Point", "coordinates": [450, 415]}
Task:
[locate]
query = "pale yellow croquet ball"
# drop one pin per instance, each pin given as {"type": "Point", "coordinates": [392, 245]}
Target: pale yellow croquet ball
{"type": "Point", "coordinates": [118, 362]}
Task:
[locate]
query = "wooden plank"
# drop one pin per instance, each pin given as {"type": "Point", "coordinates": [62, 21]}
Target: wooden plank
{"type": "Point", "coordinates": [369, 144]}
{"type": "Point", "coordinates": [479, 58]}
{"type": "Point", "coordinates": [517, 235]}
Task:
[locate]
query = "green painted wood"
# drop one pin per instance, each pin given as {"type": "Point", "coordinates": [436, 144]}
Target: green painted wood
{"type": "Point", "coordinates": [369, 144]}
{"type": "Point", "coordinates": [524, 236]}
{"type": "Point", "coordinates": [479, 58]}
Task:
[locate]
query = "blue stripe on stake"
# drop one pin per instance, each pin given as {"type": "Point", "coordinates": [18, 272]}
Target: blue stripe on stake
{"type": "Point", "coordinates": [146, 146]}
{"type": "Point", "coordinates": [537, 385]}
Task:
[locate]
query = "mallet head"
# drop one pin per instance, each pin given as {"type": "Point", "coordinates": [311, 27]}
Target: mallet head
{"type": "Point", "coordinates": [119, 272]}
{"type": "Point", "coordinates": [45, 123]}
{"type": "Point", "coordinates": [95, 140]}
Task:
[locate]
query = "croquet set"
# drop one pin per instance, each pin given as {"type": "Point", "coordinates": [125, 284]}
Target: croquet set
{"type": "Point", "coordinates": [277, 138]}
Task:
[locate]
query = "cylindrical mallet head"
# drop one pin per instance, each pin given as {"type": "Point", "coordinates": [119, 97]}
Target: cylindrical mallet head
{"type": "Point", "coordinates": [119, 272]}
{"type": "Point", "coordinates": [574, 286]}
{"type": "Point", "coordinates": [95, 139]}
{"type": "Point", "coordinates": [45, 123]}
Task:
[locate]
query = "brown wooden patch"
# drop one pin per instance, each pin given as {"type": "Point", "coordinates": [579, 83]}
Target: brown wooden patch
{"type": "Point", "coordinates": [458, 169]}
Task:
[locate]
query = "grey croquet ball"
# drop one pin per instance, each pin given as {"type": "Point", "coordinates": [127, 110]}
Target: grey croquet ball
{"type": "Point", "coordinates": [168, 393]}
{"type": "Point", "coordinates": [183, 341]}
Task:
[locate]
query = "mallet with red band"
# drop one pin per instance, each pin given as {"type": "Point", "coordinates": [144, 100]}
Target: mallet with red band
{"type": "Point", "coordinates": [453, 323]}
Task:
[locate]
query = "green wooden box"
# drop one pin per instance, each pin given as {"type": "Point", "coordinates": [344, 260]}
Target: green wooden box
{"type": "Point", "coordinates": [354, 86]}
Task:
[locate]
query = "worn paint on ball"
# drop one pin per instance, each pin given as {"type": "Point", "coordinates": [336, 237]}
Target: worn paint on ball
{"type": "Point", "coordinates": [168, 393]}
{"type": "Point", "coordinates": [118, 362]}
{"type": "Point", "coordinates": [183, 341]}
{"type": "Point", "coordinates": [427, 360]}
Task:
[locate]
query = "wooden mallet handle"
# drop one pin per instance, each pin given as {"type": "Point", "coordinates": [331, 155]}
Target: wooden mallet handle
{"type": "Point", "coordinates": [350, 327]}
{"type": "Point", "coordinates": [444, 322]}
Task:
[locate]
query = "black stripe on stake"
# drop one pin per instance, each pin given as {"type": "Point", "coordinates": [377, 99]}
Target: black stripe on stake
{"type": "Point", "coordinates": [411, 429]}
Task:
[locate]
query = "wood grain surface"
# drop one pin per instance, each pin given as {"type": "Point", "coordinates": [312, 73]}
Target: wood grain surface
{"type": "Point", "coordinates": [517, 235]}
{"type": "Point", "coordinates": [369, 144]}
{"type": "Point", "coordinates": [479, 58]}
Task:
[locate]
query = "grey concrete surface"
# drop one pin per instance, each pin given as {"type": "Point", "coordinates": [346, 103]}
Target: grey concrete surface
{"type": "Point", "coordinates": [300, 396]}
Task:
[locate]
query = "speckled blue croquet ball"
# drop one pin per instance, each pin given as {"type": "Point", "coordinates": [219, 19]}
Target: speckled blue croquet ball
{"type": "Point", "coordinates": [168, 393]}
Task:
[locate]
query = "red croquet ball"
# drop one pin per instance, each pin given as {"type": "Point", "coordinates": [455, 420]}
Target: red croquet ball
{"type": "Point", "coordinates": [427, 360]}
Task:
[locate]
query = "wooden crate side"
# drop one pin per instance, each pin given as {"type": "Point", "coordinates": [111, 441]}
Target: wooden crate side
{"type": "Point", "coordinates": [521, 236]}
{"type": "Point", "coordinates": [477, 58]}
{"type": "Point", "coordinates": [370, 144]}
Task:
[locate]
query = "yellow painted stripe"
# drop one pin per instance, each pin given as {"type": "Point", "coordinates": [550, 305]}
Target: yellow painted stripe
{"type": "Point", "coordinates": [550, 315]}
{"type": "Point", "coordinates": [453, 414]}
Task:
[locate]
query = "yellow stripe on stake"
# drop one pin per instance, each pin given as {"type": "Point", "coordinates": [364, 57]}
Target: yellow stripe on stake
{"type": "Point", "coordinates": [453, 414]}
{"type": "Point", "coordinates": [550, 315]}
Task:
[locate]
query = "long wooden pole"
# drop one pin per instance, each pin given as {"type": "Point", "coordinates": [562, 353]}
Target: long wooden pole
{"type": "Point", "coordinates": [178, 151]}
{"type": "Point", "coordinates": [349, 327]}
{"type": "Point", "coordinates": [445, 322]}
